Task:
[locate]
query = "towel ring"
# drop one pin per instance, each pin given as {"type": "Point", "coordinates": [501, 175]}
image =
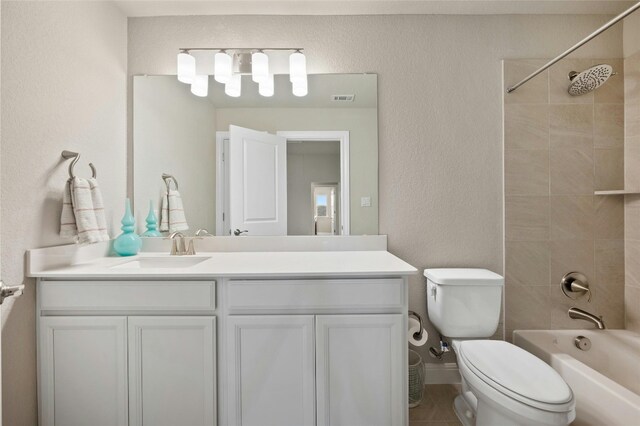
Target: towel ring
{"type": "Point", "coordinates": [76, 156]}
{"type": "Point", "coordinates": [167, 181]}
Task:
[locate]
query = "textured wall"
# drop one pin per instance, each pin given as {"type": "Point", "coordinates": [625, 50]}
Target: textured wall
{"type": "Point", "coordinates": [64, 87]}
{"type": "Point", "coordinates": [559, 149]}
{"type": "Point", "coordinates": [440, 109]}
{"type": "Point", "coordinates": [632, 170]}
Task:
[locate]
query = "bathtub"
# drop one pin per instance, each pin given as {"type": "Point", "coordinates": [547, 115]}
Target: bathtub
{"type": "Point", "coordinates": [605, 379]}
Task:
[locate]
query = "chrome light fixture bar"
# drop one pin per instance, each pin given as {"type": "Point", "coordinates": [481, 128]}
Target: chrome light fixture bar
{"type": "Point", "coordinates": [231, 63]}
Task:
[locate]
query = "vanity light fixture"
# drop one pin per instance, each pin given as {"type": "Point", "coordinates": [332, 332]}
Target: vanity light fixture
{"type": "Point", "coordinates": [266, 87]}
{"type": "Point", "coordinates": [230, 64]}
{"type": "Point", "coordinates": [200, 85]}
{"type": "Point", "coordinates": [223, 67]}
{"type": "Point", "coordinates": [299, 87]}
{"type": "Point", "coordinates": [186, 67]}
{"type": "Point", "coordinates": [297, 66]}
{"type": "Point", "coordinates": [259, 66]}
{"type": "Point", "coordinates": [298, 73]}
{"type": "Point", "coordinates": [233, 87]}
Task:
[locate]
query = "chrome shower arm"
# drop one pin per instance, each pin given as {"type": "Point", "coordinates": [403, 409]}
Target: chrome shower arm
{"type": "Point", "coordinates": [582, 42]}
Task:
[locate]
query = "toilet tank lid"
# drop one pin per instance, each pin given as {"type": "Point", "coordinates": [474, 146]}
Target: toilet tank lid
{"type": "Point", "coordinates": [464, 276]}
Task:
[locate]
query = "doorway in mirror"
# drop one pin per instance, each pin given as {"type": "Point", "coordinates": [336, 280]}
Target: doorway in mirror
{"type": "Point", "coordinates": [263, 182]}
{"type": "Point", "coordinates": [325, 208]}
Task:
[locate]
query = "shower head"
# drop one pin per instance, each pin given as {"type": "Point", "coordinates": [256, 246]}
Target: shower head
{"type": "Point", "coordinates": [589, 79]}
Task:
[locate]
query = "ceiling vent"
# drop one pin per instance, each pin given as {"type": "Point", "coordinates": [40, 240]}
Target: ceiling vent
{"type": "Point", "coordinates": [343, 98]}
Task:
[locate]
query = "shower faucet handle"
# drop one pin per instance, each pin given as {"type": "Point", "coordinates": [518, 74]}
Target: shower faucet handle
{"type": "Point", "coordinates": [574, 285]}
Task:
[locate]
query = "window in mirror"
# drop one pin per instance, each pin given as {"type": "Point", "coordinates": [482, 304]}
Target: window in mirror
{"type": "Point", "coordinates": [321, 205]}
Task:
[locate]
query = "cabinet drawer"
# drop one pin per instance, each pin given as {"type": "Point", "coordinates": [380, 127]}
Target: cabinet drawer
{"type": "Point", "coordinates": [127, 296]}
{"type": "Point", "coordinates": [316, 295]}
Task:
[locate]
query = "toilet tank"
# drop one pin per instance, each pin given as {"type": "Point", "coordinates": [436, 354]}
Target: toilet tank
{"type": "Point", "coordinates": [464, 302]}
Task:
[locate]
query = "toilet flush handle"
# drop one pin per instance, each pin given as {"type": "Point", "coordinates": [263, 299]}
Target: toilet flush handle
{"type": "Point", "coordinates": [432, 289]}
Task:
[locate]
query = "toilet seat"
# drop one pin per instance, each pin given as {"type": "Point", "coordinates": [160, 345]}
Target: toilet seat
{"type": "Point", "coordinates": [515, 374]}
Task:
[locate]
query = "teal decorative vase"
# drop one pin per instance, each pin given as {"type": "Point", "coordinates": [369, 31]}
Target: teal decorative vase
{"type": "Point", "coordinates": [128, 243]}
{"type": "Point", "coordinates": [152, 223]}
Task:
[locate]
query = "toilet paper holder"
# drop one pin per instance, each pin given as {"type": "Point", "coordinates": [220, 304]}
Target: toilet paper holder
{"type": "Point", "coordinates": [417, 335]}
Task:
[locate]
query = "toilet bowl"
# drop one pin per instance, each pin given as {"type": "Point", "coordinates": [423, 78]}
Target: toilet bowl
{"type": "Point", "coordinates": [501, 383]}
{"type": "Point", "coordinates": [505, 385]}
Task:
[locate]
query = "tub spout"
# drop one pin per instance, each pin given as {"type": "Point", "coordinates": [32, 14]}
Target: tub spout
{"type": "Point", "coordinates": [577, 313]}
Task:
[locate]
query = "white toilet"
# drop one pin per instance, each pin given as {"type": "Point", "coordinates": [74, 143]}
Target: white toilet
{"type": "Point", "coordinates": [501, 383]}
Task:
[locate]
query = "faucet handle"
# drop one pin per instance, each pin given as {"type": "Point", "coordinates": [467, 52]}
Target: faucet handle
{"type": "Point", "coordinates": [192, 249]}
{"type": "Point", "coordinates": [574, 285]}
{"type": "Point", "coordinates": [177, 249]}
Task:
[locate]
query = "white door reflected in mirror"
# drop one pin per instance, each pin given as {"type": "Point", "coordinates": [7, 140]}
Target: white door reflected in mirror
{"type": "Point", "coordinates": [257, 182]}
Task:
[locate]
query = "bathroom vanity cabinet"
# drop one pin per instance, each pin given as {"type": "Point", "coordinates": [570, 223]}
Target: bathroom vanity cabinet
{"type": "Point", "coordinates": [316, 351]}
{"type": "Point", "coordinates": [228, 349]}
{"type": "Point", "coordinates": [127, 352]}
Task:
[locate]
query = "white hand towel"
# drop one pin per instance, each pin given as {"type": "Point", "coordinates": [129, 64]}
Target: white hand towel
{"type": "Point", "coordinates": [98, 208]}
{"type": "Point", "coordinates": [172, 216]}
{"type": "Point", "coordinates": [68, 228]}
{"type": "Point", "coordinates": [83, 212]}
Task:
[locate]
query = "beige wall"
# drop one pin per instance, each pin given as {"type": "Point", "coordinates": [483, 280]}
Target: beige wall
{"type": "Point", "coordinates": [64, 88]}
{"type": "Point", "coordinates": [173, 128]}
{"type": "Point", "coordinates": [362, 124]}
{"type": "Point", "coordinates": [559, 149]}
{"type": "Point", "coordinates": [631, 31]}
{"type": "Point", "coordinates": [632, 170]}
{"type": "Point", "coordinates": [440, 109]}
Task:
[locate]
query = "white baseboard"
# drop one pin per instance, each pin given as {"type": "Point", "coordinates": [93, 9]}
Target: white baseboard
{"type": "Point", "coordinates": [436, 374]}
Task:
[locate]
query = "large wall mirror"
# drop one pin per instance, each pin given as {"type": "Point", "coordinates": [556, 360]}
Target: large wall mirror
{"type": "Point", "coordinates": [280, 165]}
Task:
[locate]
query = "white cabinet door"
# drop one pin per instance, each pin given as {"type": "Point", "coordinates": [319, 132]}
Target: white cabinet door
{"type": "Point", "coordinates": [360, 370]}
{"type": "Point", "coordinates": [83, 371]}
{"type": "Point", "coordinates": [270, 370]}
{"type": "Point", "coordinates": [172, 371]}
{"type": "Point", "coordinates": [257, 182]}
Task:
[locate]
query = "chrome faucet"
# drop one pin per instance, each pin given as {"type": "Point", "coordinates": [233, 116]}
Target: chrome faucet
{"type": "Point", "coordinates": [177, 246]}
{"type": "Point", "coordinates": [203, 233]}
{"type": "Point", "coordinates": [577, 313]}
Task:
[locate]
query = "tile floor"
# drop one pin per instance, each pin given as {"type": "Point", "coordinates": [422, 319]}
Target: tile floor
{"type": "Point", "coordinates": [436, 408]}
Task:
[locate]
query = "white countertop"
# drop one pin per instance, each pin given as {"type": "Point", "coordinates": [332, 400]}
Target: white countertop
{"type": "Point", "coordinates": [243, 264]}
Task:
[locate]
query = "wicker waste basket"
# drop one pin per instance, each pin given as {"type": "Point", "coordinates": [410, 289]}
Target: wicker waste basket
{"type": "Point", "coordinates": [416, 379]}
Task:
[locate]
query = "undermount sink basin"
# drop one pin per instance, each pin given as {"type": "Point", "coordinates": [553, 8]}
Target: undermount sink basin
{"type": "Point", "coordinates": [161, 262]}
